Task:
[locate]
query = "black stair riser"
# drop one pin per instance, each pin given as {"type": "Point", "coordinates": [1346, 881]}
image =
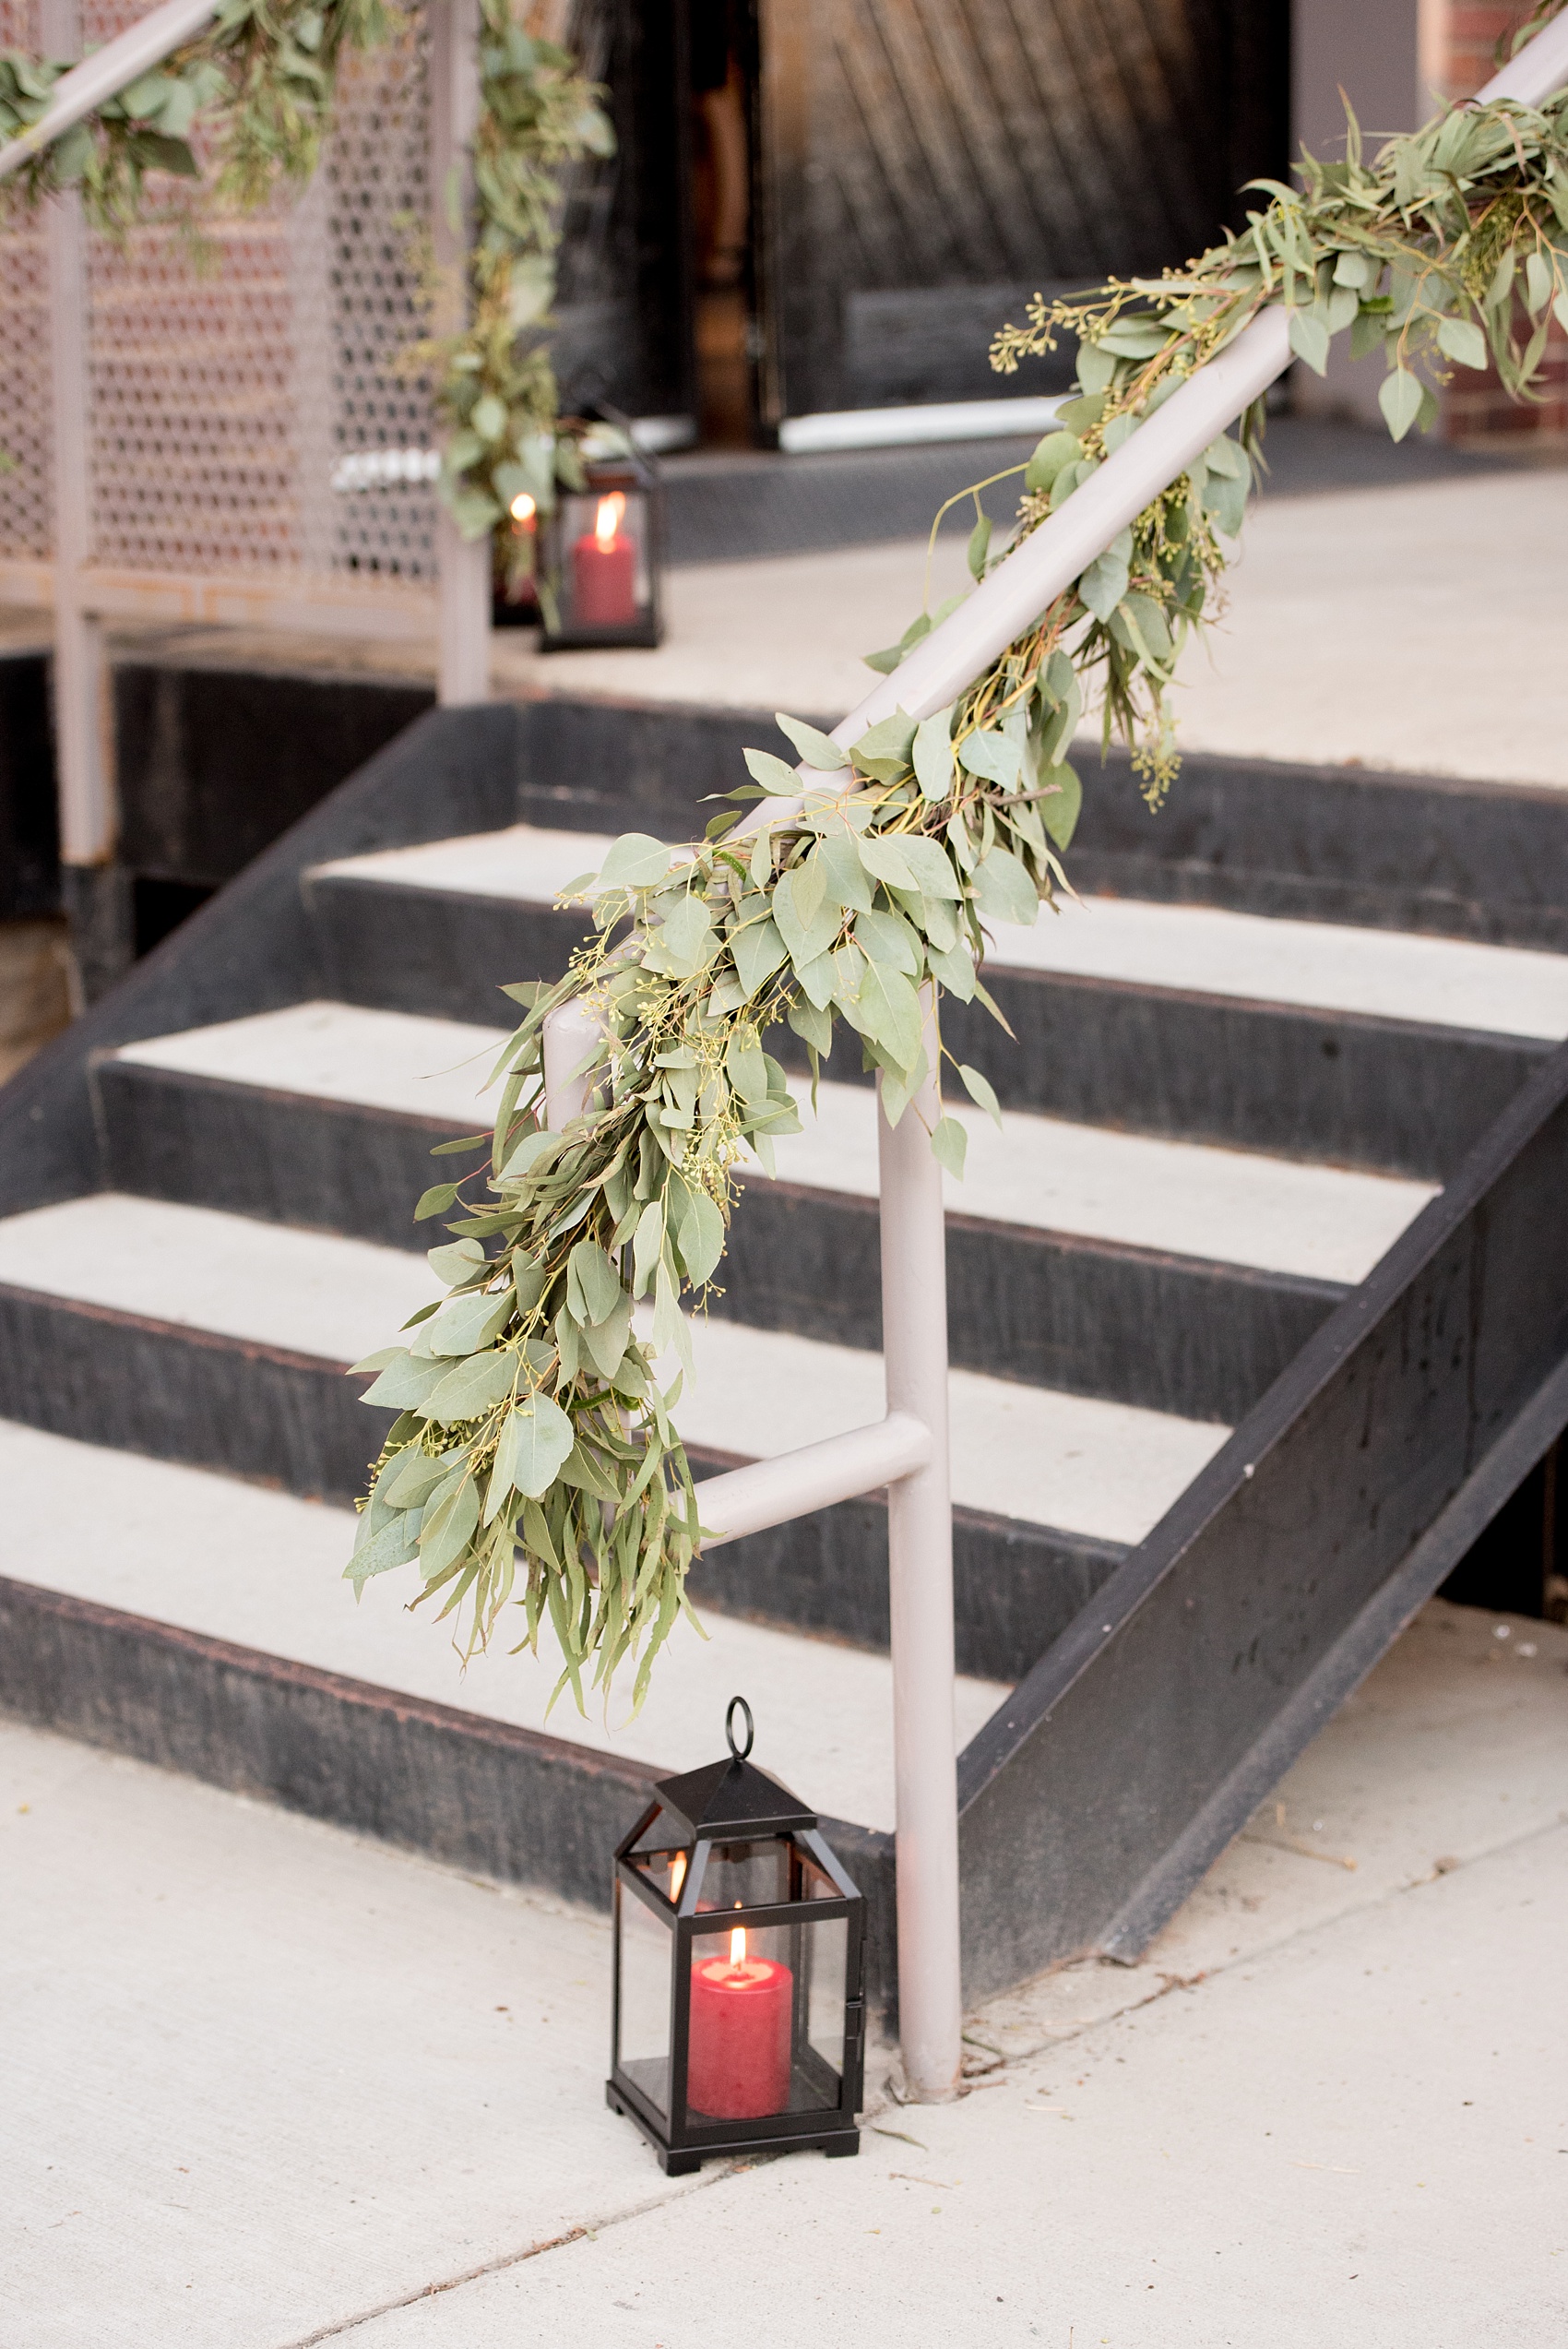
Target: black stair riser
{"type": "Point", "coordinates": [435, 951]}
{"type": "Point", "coordinates": [478, 1795]}
{"type": "Point", "coordinates": [1266, 836]}
{"type": "Point", "coordinates": [1340, 1087]}
{"type": "Point", "coordinates": [1014, 1586]}
{"type": "Point", "coordinates": [1456, 859]}
{"type": "Point", "coordinates": [333, 1166]}
{"type": "Point", "coordinates": [1133, 1325]}
{"type": "Point", "coordinates": [280, 1418]}
{"type": "Point", "coordinates": [1333, 1087]}
{"type": "Point", "coordinates": [1174, 1334]}
{"type": "Point", "coordinates": [131, 1383]}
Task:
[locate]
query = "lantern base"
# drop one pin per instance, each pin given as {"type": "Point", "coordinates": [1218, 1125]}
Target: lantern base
{"type": "Point", "coordinates": [587, 635]}
{"type": "Point", "coordinates": [839, 2144]}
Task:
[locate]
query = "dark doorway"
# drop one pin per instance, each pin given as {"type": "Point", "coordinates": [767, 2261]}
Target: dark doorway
{"type": "Point", "coordinates": [723, 83]}
{"type": "Point", "coordinates": [929, 164]}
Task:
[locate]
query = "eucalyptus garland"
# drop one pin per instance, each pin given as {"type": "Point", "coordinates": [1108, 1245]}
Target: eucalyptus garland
{"type": "Point", "coordinates": [535, 1455]}
{"type": "Point", "coordinates": [495, 387]}
{"type": "Point", "coordinates": [260, 79]}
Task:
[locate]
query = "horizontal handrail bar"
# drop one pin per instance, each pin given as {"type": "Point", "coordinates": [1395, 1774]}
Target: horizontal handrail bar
{"type": "Point", "coordinates": [108, 71]}
{"type": "Point", "coordinates": [1028, 581]}
{"type": "Point", "coordinates": [772, 1492]}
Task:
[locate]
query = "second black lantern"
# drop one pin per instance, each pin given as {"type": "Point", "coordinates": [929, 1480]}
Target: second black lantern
{"type": "Point", "coordinates": [601, 557]}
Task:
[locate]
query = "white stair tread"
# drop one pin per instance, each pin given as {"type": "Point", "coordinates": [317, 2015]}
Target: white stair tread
{"type": "Point", "coordinates": [1319, 966]}
{"type": "Point", "coordinates": [1089, 1466]}
{"type": "Point", "coordinates": [1235, 1207]}
{"type": "Point", "coordinates": [236, 1562]}
{"type": "Point", "coordinates": [344, 1052]}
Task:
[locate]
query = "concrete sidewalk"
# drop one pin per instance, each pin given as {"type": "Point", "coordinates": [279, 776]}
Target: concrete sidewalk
{"type": "Point", "coordinates": [267, 2085]}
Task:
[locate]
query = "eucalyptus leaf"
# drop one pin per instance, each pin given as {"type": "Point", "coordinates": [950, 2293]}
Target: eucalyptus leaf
{"type": "Point", "coordinates": [474, 1387]}
{"type": "Point", "coordinates": [1004, 889]}
{"type": "Point", "coordinates": [772, 774]}
{"type": "Point", "coordinates": [1462, 339]}
{"type": "Point", "coordinates": [404, 1384]}
{"type": "Point", "coordinates": [1399, 398]}
{"type": "Point", "coordinates": [994, 756]}
{"type": "Point", "coordinates": [949, 1143]}
{"type": "Point", "coordinates": [469, 1322]}
{"type": "Point", "coordinates": [817, 749]}
{"type": "Point", "coordinates": [635, 861]}
{"type": "Point", "coordinates": [980, 1091]}
{"type": "Point", "coordinates": [539, 1437]}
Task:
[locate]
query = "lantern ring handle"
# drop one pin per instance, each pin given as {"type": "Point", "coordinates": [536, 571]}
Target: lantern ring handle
{"type": "Point", "coordinates": [740, 1752]}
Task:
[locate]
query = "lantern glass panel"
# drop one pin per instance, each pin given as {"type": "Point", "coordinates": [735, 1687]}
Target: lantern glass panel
{"type": "Point", "coordinates": [826, 1988]}
{"type": "Point", "coordinates": [644, 1977]}
{"type": "Point", "coordinates": [764, 2037]}
{"type": "Point", "coordinates": [747, 1875]}
{"type": "Point", "coordinates": [604, 539]}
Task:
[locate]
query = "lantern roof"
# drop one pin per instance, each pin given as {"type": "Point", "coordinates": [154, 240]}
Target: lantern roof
{"type": "Point", "coordinates": [732, 1799]}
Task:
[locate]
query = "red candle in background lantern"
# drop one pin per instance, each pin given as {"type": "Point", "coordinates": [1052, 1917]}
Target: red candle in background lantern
{"type": "Point", "coordinates": [737, 2057]}
{"type": "Point", "coordinates": [605, 568]}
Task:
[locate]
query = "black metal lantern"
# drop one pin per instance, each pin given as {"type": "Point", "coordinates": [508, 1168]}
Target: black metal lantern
{"type": "Point", "coordinates": [739, 2013]}
{"type": "Point", "coordinates": [602, 547]}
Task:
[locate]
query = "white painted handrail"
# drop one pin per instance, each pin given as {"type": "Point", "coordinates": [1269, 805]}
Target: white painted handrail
{"type": "Point", "coordinates": [108, 71]}
{"type": "Point", "coordinates": [913, 1232]}
{"type": "Point", "coordinates": [1027, 581]}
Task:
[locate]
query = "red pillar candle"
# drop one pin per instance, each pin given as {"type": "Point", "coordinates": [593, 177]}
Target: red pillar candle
{"type": "Point", "coordinates": [605, 568]}
{"type": "Point", "coordinates": [738, 2055]}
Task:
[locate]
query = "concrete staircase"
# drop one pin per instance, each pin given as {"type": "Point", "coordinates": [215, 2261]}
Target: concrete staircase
{"type": "Point", "coordinates": [1220, 1119]}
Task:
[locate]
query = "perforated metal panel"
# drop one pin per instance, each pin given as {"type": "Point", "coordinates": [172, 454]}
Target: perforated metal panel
{"type": "Point", "coordinates": [26, 500]}
{"type": "Point", "coordinates": [236, 363]}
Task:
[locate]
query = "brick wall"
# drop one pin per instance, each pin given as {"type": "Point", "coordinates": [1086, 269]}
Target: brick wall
{"type": "Point", "coordinates": [1475, 406]}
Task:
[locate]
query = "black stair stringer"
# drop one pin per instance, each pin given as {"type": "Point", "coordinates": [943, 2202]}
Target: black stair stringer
{"type": "Point", "coordinates": [254, 947]}
{"type": "Point", "coordinates": [1145, 1738]}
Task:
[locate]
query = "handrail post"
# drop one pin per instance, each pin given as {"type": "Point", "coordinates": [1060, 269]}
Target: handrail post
{"type": "Point", "coordinates": [96, 894]}
{"type": "Point", "coordinates": [920, 1543]}
{"type": "Point", "coordinates": [463, 564]}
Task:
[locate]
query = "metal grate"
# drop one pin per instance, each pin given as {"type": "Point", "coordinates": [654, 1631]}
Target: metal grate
{"type": "Point", "coordinates": [26, 443]}
{"type": "Point", "coordinates": [235, 363]}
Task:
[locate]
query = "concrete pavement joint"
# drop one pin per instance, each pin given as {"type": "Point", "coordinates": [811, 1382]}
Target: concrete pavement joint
{"type": "Point", "coordinates": [586, 2231]}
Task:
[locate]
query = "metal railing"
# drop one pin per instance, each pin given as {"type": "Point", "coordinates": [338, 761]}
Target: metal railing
{"type": "Point", "coordinates": [907, 1451]}
{"type": "Point", "coordinates": [84, 597]}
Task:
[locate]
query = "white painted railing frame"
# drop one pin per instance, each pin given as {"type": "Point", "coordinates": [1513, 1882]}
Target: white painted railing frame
{"type": "Point", "coordinates": [88, 822]}
{"type": "Point", "coordinates": [907, 1451]}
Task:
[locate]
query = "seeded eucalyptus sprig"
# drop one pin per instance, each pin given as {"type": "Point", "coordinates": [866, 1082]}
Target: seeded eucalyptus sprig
{"type": "Point", "coordinates": [495, 387]}
{"type": "Point", "coordinates": [260, 79]}
{"type": "Point", "coordinates": [1428, 252]}
{"type": "Point", "coordinates": [535, 1452]}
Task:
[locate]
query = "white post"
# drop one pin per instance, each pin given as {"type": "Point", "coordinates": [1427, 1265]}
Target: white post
{"type": "Point", "coordinates": [464, 564]}
{"type": "Point", "coordinates": [920, 1538]}
{"type": "Point", "coordinates": [570, 1034]}
{"type": "Point", "coordinates": [86, 812]}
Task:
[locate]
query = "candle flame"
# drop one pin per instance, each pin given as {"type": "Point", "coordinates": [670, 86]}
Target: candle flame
{"type": "Point", "coordinates": [607, 521]}
{"type": "Point", "coordinates": [738, 1946]}
{"type": "Point", "coordinates": [523, 508]}
{"type": "Point", "coordinates": [677, 1875]}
